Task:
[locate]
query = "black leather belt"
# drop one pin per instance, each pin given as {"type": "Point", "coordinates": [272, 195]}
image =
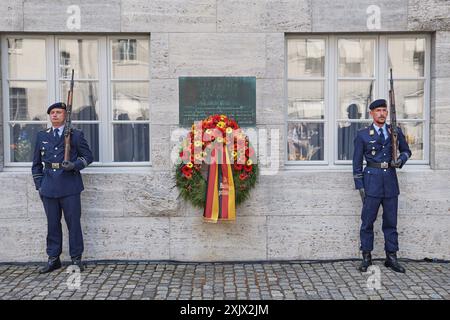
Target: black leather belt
{"type": "Point", "coordinates": [380, 165]}
{"type": "Point", "coordinates": [53, 165]}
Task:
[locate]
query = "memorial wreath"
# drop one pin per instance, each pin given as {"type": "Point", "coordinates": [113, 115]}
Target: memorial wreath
{"type": "Point", "coordinates": [216, 168]}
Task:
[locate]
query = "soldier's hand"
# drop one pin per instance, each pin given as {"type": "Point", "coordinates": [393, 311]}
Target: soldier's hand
{"type": "Point", "coordinates": [68, 165]}
{"type": "Point", "coordinates": [362, 193]}
{"type": "Point", "coordinates": [397, 163]}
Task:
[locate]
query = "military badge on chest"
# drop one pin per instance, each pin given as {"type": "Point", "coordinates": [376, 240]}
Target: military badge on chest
{"type": "Point", "coordinates": [43, 148]}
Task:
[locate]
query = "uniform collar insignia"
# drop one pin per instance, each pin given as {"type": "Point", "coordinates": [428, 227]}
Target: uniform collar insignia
{"type": "Point", "coordinates": [49, 130]}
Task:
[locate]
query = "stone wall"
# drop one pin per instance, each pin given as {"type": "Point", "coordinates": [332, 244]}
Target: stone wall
{"type": "Point", "coordinates": [131, 214]}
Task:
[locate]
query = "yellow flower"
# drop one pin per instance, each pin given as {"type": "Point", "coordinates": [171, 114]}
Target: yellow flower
{"type": "Point", "coordinates": [221, 124]}
{"type": "Point", "coordinates": [208, 131]}
{"type": "Point", "coordinates": [229, 130]}
{"type": "Point", "coordinates": [249, 162]}
{"type": "Point", "coordinates": [197, 143]}
{"type": "Point", "coordinates": [189, 165]}
{"type": "Point", "coordinates": [223, 117]}
{"type": "Point", "coordinates": [219, 139]}
{"type": "Point", "coordinates": [234, 154]}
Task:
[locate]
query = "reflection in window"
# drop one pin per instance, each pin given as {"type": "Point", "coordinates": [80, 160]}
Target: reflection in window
{"type": "Point", "coordinates": [18, 104]}
{"type": "Point", "coordinates": [305, 141]}
{"type": "Point", "coordinates": [64, 64]}
{"type": "Point", "coordinates": [131, 142]}
{"type": "Point", "coordinates": [413, 132]}
{"type": "Point", "coordinates": [347, 132]}
{"type": "Point", "coordinates": [306, 57]}
{"type": "Point", "coordinates": [127, 49]}
{"type": "Point", "coordinates": [23, 137]}
{"type": "Point", "coordinates": [91, 135]}
{"type": "Point", "coordinates": [356, 57]}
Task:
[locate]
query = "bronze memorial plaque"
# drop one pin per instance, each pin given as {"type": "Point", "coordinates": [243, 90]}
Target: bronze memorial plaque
{"type": "Point", "coordinates": [201, 97]}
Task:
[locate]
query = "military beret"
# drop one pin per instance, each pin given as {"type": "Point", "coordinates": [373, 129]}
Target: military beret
{"type": "Point", "coordinates": [378, 103]}
{"type": "Point", "coordinates": [60, 105]}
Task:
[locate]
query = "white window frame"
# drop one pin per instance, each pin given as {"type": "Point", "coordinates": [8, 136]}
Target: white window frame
{"type": "Point", "coordinates": [105, 122]}
{"type": "Point", "coordinates": [331, 95]}
{"type": "Point", "coordinates": [326, 93]}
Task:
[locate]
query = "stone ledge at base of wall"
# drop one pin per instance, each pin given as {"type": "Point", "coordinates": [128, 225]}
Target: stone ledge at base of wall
{"type": "Point", "coordinates": [291, 215]}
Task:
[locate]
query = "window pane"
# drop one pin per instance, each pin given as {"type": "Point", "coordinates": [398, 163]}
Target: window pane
{"type": "Point", "coordinates": [23, 138]}
{"type": "Point", "coordinates": [131, 142]}
{"type": "Point", "coordinates": [129, 59]}
{"type": "Point", "coordinates": [306, 99]}
{"type": "Point", "coordinates": [354, 99]}
{"type": "Point", "coordinates": [413, 132]}
{"type": "Point", "coordinates": [85, 99]}
{"type": "Point", "coordinates": [80, 55]}
{"type": "Point", "coordinates": [130, 100]}
{"type": "Point", "coordinates": [305, 141]}
{"type": "Point", "coordinates": [409, 99]}
{"type": "Point", "coordinates": [28, 100]}
{"type": "Point", "coordinates": [407, 57]}
{"type": "Point", "coordinates": [26, 58]}
{"type": "Point", "coordinates": [306, 57]}
{"type": "Point", "coordinates": [91, 135]}
{"type": "Point", "coordinates": [346, 134]}
{"type": "Point", "coordinates": [356, 57]}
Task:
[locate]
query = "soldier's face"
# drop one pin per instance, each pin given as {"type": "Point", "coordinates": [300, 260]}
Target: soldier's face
{"type": "Point", "coordinates": [379, 115]}
{"type": "Point", "coordinates": [57, 117]}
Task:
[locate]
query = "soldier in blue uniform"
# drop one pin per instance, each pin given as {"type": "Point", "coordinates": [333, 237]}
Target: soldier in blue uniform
{"type": "Point", "coordinates": [378, 184]}
{"type": "Point", "coordinates": [59, 184]}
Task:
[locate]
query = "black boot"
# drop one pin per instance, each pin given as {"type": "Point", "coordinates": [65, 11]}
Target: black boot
{"type": "Point", "coordinates": [392, 262]}
{"type": "Point", "coordinates": [52, 264]}
{"type": "Point", "coordinates": [366, 261]}
{"type": "Point", "coordinates": [76, 261]}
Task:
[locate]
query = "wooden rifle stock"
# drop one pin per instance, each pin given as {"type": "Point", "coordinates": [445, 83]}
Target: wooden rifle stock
{"type": "Point", "coordinates": [68, 125]}
{"type": "Point", "coordinates": [393, 113]}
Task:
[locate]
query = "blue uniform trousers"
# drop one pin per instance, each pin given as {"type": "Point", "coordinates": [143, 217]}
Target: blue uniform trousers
{"type": "Point", "coordinates": [71, 206]}
{"type": "Point", "coordinates": [368, 217]}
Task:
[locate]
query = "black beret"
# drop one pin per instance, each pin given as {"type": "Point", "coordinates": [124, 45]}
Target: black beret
{"type": "Point", "coordinates": [378, 103]}
{"type": "Point", "coordinates": [60, 105]}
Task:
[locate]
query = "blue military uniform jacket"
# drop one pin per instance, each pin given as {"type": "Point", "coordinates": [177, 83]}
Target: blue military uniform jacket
{"type": "Point", "coordinates": [377, 182]}
{"type": "Point", "coordinates": [54, 182]}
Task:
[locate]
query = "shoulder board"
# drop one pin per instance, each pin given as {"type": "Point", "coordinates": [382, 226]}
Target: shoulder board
{"type": "Point", "coordinates": [362, 129]}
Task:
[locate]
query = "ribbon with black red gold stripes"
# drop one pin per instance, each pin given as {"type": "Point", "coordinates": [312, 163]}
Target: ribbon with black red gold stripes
{"type": "Point", "coordinates": [220, 194]}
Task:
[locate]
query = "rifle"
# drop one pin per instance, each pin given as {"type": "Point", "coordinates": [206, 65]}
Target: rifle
{"type": "Point", "coordinates": [68, 125]}
{"type": "Point", "coordinates": [394, 130]}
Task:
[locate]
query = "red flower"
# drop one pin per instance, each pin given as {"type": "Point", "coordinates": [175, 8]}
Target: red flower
{"type": "Point", "coordinates": [238, 166]}
{"type": "Point", "coordinates": [248, 168]}
{"type": "Point", "coordinates": [243, 176]}
{"type": "Point", "coordinates": [187, 172]}
{"type": "Point", "coordinates": [249, 152]}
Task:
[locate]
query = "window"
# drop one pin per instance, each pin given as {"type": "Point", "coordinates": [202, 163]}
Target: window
{"type": "Point", "coordinates": [110, 102]}
{"type": "Point", "coordinates": [331, 81]}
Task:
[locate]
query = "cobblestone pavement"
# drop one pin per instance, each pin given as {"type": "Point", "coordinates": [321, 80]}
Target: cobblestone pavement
{"type": "Point", "coordinates": [254, 281]}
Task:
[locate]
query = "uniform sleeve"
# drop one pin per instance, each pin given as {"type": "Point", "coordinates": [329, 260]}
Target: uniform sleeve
{"type": "Point", "coordinates": [84, 154]}
{"type": "Point", "coordinates": [403, 147]}
{"type": "Point", "coordinates": [37, 167]}
{"type": "Point", "coordinates": [358, 156]}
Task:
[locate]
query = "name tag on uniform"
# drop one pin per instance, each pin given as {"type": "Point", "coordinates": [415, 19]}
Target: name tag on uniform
{"type": "Point", "coordinates": [372, 132]}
